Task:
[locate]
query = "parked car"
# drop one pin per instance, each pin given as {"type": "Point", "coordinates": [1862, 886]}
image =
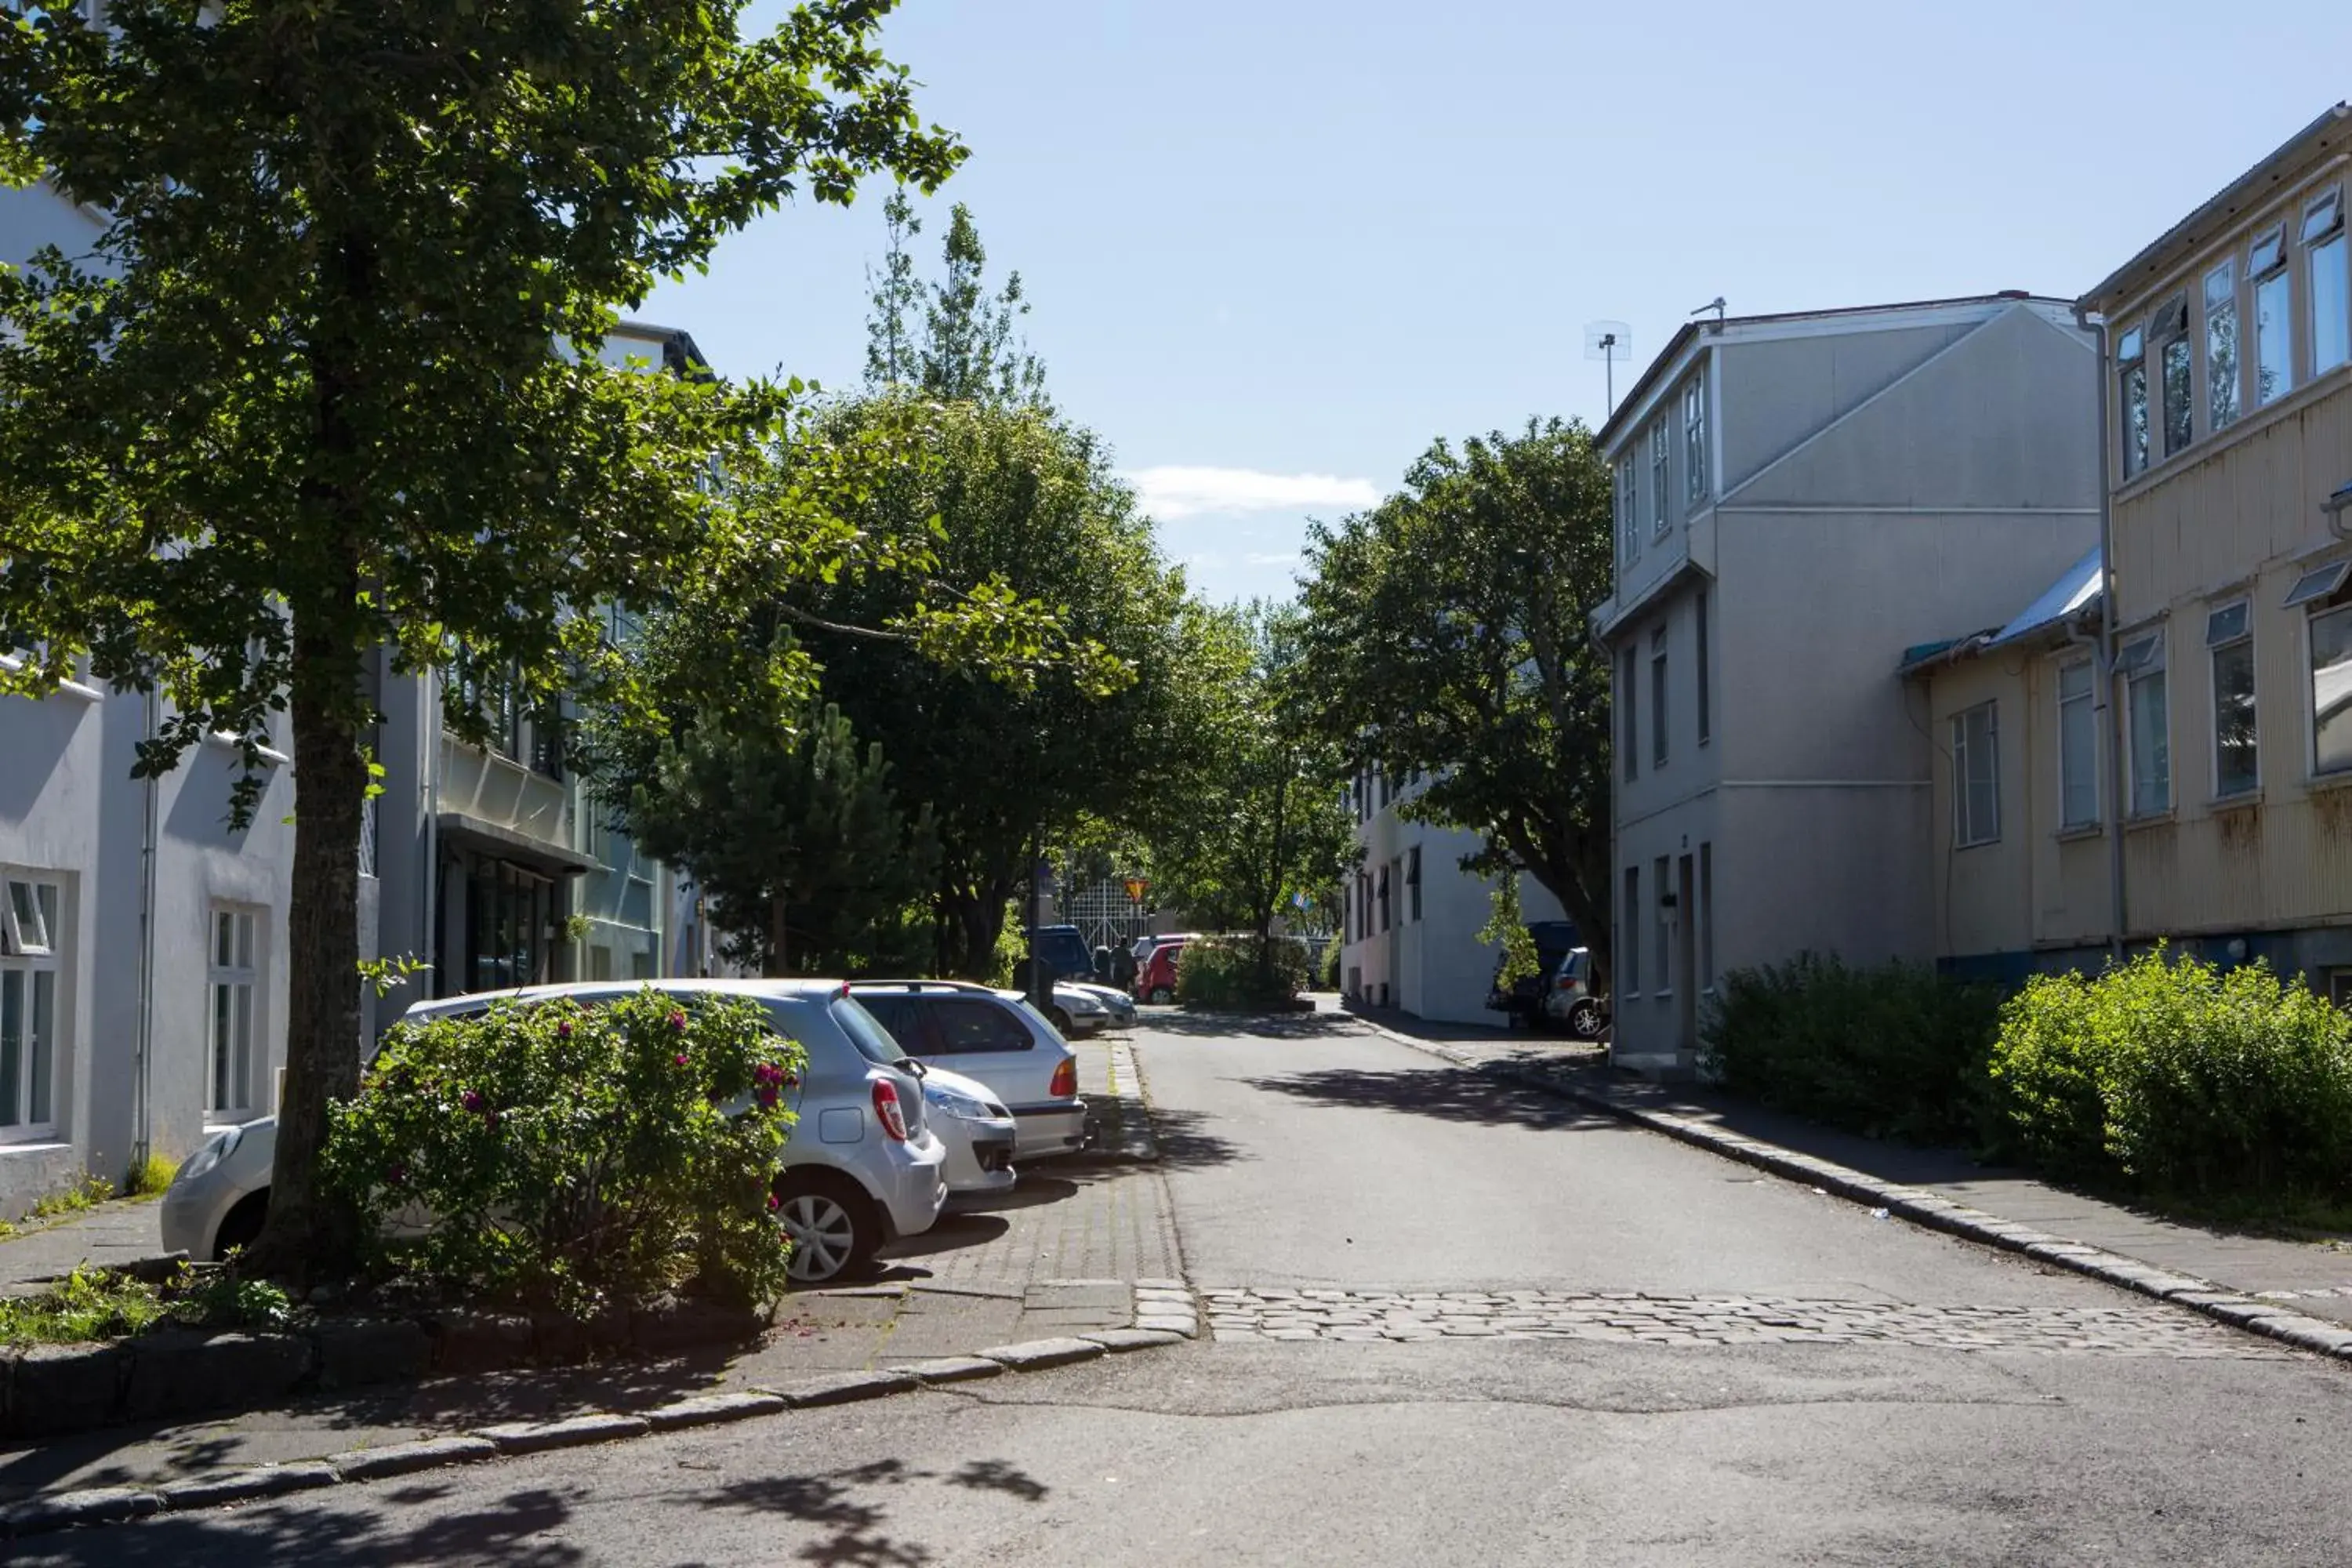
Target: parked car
{"type": "Point", "coordinates": [1077, 1010]}
{"type": "Point", "coordinates": [977, 1129]}
{"type": "Point", "coordinates": [1065, 949]}
{"type": "Point", "coordinates": [1117, 1003]}
{"type": "Point", "coordinates": [1522, 1003]}
{"type": "Point", "coordinates": [1570, 1002]}
{"type": "Point", "coordinates": [997, 1037]}
{"type": "Point", "coordinates": [864, 1166]}
{"type": "Point", "coordinates": [1156, 980]}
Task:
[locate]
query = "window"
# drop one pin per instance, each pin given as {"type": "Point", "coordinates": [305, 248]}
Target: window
{"type": "Point", "coordinates": [2179, 392]}
{"type": "Point", "coordinates": [2230, 637]}
{"type": "Point", "coordinates": [1381, 898]}
{"type": "Point", "coordinates": [1705, 670]}
{"type": "Point", "coordinates": [1661, 476]}
{"type": "Point", "coordinates": [1660, 869]}
{"type": "Point", "coordinates": [1658, 698]}
{"type": "Point", "coordinates": [971, 1027]}
{"type": "Point", "coordinates": [30, 936]}
{"type": "Point", "coordinates": [2273, 313]}
{"type": "Point", "coordinates": [2131, 355]}
{"type": "Point", "coordinates": [229, 1076]}
{"type": "Point", "coordinates": [2078, 747]}
{"type": "Point", "coordinates": [1695, 440]}
{"type": "Point", "coordinates": [1413, 882]}
{"type": "Point", "coordinates": [1706, 916]}
{"type": "Point", "coordinates": [2331, 289]}
{"type": "Point", "coordinates": [2331, 690]}
{"type": "Point", "coordinates": [2222, 345]}
{"type": "Point", "coordinates": [1976, 777]}
{"type": "Point", "coordinates": [1629, 745]}
{"type": "Point", "coordinates": [1629, 522]}
{"type": "Point", "coordinates": [2147, 716]}
{"type": "Point", "coordinates": [2318, 584]}
{"type": "Point", "coordinates": [2339, 988]}
{"type": "Point", "coordinates": [1629, 934]}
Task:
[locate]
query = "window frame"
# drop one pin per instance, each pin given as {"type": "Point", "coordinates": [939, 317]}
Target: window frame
{"type": "Point", "coordinates": [2131, 374]}
{"type": "Point", "coordinates": [2322, 229]}
{"type": "Point", "coordinates": [1661, 869]}
{"type": "Point", "coordinates": [1705, 914]}
{"type": "Point", "coordinates": [2224, 637]}
{"type": "Point", "coordinates": [1629, 934]}
{"type": "Point", "coordinates": [2269, 262]}
{"type": "Point", "coordinates": [2316, 611]}
{"type": "Point", "coordinates": [2169, 331]}
{"type": "Point", "coordinates": [1630, 742]}
{"type": "Point", "coordinates": [2151, 667]}
{"type": "Point", "coordinates": [240, 971]}
{"type": "Point", "coordinates": [1703, 663]}
{"type": "Point", "coordinates": [2088, 701]}
{"type": "Point", "coordinates": [1694, 463]}
{"type": "Point", "coordinates": [1662, 477]}
{"type": "Point", "coordinates": [2225, 301]}
{"type": "Point", "coordinates": [27, 961]}
{"type": "Point", "coordinates": [1660, 741]}
{"type": "Point", "coordinates": [1967, 832]}
{"type": "Point", "coordinates": [1413, 882]}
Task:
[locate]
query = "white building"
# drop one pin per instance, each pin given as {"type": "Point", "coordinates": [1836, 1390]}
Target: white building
{"type": "Point", "coordinates": [1410, 915]}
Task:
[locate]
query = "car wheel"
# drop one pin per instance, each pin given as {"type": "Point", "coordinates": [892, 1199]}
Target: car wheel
{"type": "Point", "coordinates": [1061, 1019]}
{"type": "Point", "coordinates": [1584, 1019]}
{"type": "Point", "coordinates": [1161, 993]}
{"type": "Point", "coordinates": [241, 1226]}
{"type": "Point", "coordinates": [832, 1224]}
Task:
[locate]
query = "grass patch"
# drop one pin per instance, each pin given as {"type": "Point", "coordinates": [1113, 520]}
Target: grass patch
{"type": "Point", "coordinates": [84, 1195]}
{"type": "Point", "coordinates": [149, 1177]}
{"type": "Point", "coordinates": [98, 1304]}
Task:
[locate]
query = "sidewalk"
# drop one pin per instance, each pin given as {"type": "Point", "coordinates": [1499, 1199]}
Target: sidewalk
{"type": "Point", "coordinates": [2313, 1279]}
{"type": "Point", "coordinates": [1083, 1246]}
{"type": "Point", "coordinates": [122, 1231]}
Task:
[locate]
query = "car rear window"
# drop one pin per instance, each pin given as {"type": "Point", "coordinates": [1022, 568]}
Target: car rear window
{"type": "Point", "coordinates": [974, 1025]}
{"type": "Point", "coordinates": [872, 1040]}
{"type": "Point", "coordinates": [1041, 1022]}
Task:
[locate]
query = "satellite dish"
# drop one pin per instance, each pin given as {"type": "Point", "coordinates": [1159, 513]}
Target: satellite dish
{"type": "Point", "coordinates": [1609, 342]}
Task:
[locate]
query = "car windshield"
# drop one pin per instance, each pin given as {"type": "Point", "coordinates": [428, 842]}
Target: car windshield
{"type": "Point", "coordinates": [872, 1040]}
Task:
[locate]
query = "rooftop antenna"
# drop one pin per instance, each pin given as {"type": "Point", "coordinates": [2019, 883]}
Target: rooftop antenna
{"type": "Point", "coordinates": [1715, 305]}
{"type": "Point", "coordinates": [1609, 342]}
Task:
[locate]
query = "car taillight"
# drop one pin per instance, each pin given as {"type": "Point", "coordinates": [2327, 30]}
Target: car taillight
{"type": "Point", "coordinates": [888, 1111]}
{"type": "Point", "coordinates": [1564, 983]}
{"type": "Point", "coordinates": [1065, 1079]}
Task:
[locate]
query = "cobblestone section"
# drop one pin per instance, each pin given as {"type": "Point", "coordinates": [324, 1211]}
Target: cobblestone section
{"type": "Point", "coordinates": [1628, 1317]}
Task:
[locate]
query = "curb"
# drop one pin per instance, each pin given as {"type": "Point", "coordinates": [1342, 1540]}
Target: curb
{"type": "Point", "coordinates": [112, 1505]}
{"type": "Point", "coordinates": [2218, 1302]}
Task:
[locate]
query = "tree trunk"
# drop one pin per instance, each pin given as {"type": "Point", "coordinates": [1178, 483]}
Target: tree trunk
{"type": "Point", "coordinates": [307, 1232]}
{"type": "Point", "coordinates": [777, 936]}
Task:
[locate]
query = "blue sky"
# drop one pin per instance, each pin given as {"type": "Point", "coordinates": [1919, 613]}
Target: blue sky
{"type": "Point", "coordinates": [1275, 248]}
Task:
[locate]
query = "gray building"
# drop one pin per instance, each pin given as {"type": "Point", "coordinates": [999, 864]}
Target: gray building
{"type": "Point", "coordinates": [1799, 498]}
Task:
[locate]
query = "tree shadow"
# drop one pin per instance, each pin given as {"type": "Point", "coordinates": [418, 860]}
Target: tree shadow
{"type": "Point", "coordinates": [345, 1528]}
{"type": "Point", "coordinates": [1446, 1094]}
{"type": "Point", "coordinates": [847, 1504]}
{"type": "Point", "coordinates": [1185, 1143]}
{"type": "Point", "coordinates": [1249, 1025]}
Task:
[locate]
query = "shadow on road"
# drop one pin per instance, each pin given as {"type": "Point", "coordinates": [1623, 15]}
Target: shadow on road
{"type": "Point", "coordinates": [847, 1504]}
{"type": "Point", "coordinates": [1249, 1025]}
{"type": "Point", "coordinates": [1186, 1143]}
{"type": "Point", "coordinates": [344, 1530]}
{"type": "Point", "coordinates": [1448, 1094]}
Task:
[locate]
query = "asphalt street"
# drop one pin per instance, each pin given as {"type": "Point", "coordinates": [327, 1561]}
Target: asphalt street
{"type": "Point", "coordinates": [1465, 1325]}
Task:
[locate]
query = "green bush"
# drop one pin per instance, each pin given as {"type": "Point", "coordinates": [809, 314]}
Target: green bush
{"type": "Point", "coordinates": [2179, 1078]}
{"type": "Point", "coordinates": [1896, 1051]}
{"type": "Point", "coordinates": [1330, 975]}
{"type": "Point", "coordinates": [549, 1154]}
{"type": "Point", "coordinates": [1239, 972]}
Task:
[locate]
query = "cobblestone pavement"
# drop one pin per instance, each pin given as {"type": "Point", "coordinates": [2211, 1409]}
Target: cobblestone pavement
{"type": "Point", "coordinates": [2124, 1330]}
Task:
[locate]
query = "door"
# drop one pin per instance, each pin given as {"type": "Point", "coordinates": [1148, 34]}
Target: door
{"type": "Point", "coordinates": [1686, 959]}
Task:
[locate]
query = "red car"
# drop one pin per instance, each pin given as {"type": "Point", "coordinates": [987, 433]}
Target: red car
{"type": "Point", "coordinates": [1156, 980]}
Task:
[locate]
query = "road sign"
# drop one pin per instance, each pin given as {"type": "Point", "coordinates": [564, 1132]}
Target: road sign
{"type": "Point", "coordinates": [1135, 887]}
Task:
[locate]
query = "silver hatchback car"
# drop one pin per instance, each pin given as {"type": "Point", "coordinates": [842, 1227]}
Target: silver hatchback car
{"type": "Point", "coordinates": [863, 1166]}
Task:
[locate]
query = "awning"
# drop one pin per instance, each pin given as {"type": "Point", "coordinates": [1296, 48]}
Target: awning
{"type": "Point", "coordinates": [506, 844]}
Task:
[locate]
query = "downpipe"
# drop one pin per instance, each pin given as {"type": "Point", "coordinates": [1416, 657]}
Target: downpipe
{"type": "Point", "coordinates": [143, 1069]}
{"type": "Point", "coordinates": [2112, 731]}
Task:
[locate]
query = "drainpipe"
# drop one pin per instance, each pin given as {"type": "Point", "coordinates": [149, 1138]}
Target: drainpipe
{"type": "Point", "coordinates": [2112, 730]}
{"type": "Point", "coordinates": [142, 1076]}
{"type": "Point", "coordinates": [428, 724]}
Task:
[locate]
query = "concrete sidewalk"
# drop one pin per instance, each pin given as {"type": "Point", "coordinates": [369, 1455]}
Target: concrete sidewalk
{"type": "Point", "coordinates": [2314, 1277]}
{"type": "Point", "coordinates": [120, 1232]}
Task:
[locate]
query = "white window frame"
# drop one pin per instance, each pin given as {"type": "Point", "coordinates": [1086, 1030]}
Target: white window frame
{"type": "Point", "coordinates": [2323, 226]}
{"type": "Point", "coordinates": [1629, 518]}
{"type": "Point", "coordinates": [233, 1062]}
{"type": "Point", "coordinates": [2131, 361]}
{"type": "Point", "coordinates": [2229, 627]}
{"type": "Point", "coordinates": [2088, 701]}
{"type": "Point", "coordinates": [2142, 657]}
{"type": "Point", "coordinates": [31, 940]}
{"type": "Point", "coordinates": [2320, 609]}
{"type": "Point", "coordinates": [2221, 299]}
{"type": "Point", "coordinates": [2266, 263]}
{"type": "Point", "coordinates": [1662, 478]}
{"type": "Point", "coordinates": [2169, 330]}
{"type": "Point", "coordinates": [1695, 480]}
{"type": "Point", "coordinates": [1967, 832]}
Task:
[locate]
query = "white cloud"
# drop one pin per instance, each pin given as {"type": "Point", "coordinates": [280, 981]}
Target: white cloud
{"type": "Point", "coordinates": [1169, 493]}
{"type": "Point", "coordinates": [1287, 560]}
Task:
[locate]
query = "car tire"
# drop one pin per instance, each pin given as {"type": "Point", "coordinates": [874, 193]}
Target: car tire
{"type": "Point", "coordinates": [1061, 1020]}
{"type": "Point", "coordinates": [835, 1228]}
{"type": "Point", "coordinates": [1163, 993]}
{"type": "Point", "coordinates": [1585, 1020]}
{"type": "Point", "coordinates": [241, 1226]}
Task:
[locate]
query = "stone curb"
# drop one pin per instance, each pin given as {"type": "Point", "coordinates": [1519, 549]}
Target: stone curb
{"type": "Point", "coordinates": [2218, 1302]}
{"type": "Point", "coordinates": [112, 1505]}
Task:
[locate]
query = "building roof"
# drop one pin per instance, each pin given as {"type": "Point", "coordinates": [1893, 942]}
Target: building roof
{"type": "Point", "coordinates": [1672, 353]}
{"type": "Point", "coordinates": [2333, 129]}
{"type": "Point", "coordinates": [2075, 592]}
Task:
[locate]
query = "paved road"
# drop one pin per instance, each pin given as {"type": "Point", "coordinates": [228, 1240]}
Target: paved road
{"type": "Point", "coordinates": [1465, 1376]}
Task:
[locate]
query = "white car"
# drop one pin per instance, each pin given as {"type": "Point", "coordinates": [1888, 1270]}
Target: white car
{"type": "Point", "coordinates": [863, 1166]}
{"type": "Point", "coordinates": [1117, 1003]}
{"type": "Point", "coordinates": [997, 1037]}
{"type": "Point", "coordinates": [1077, 1010]}
{"type": "Point", "coordinates": [979, 1131]}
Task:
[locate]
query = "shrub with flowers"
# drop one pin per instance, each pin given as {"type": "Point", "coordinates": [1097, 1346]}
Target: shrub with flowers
{"type": "Point", "coordinates": [549, 1154]}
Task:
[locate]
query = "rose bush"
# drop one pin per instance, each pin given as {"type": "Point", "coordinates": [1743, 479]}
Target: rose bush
{"type": "Point", "coordinates": [554, 1156]}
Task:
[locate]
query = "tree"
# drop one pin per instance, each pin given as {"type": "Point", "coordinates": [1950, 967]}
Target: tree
{"type": "Point", "coordinates": [1266, 826]}
{"type": "Point", "coordinates": [1447, 634]}
{"type": "Point", "coordinates": [331, 380]}
{"type": "Point", "coordinates": [951, 337]}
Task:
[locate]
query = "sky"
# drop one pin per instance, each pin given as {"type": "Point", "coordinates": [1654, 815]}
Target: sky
{"type": "Point", "coordinates": [1275, 248]}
